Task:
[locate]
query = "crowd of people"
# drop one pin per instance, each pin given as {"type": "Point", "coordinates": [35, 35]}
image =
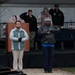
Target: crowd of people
{"type": "Point", "coordinates": [41, 26]}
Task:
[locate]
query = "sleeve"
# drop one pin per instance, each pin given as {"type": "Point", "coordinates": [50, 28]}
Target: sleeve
{"type": "Point", "coordinates": [42, 31]}
{"type": "Point", "coordinates": [23, 15]}
{"type": "Point", "coordinates": [35, 26]}
{"type": "Point", "coordinates": [62, 19]}
{"type": "Point", "coordinates": [26, 36]}
{"type": "Point", "coordinates": [39, 18]}
{"type": "Point", "coordinates": [51, 11]}
{"type": "Point", "coordinates": [39, 21]}
{"type": "Point", "coordinates": [11, 36]}
{"type": "Point", "coordinates": [51, 20]}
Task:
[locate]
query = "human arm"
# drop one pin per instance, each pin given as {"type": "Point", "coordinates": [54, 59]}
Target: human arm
{"type": "Point", "coordinates": [11, 36]}
{"type": "Point", "coordinates": [23, 16]}
{"type": "Point", "coordinates": [25, 36]}
{"type": "Point", "coordinates": [42, 30]}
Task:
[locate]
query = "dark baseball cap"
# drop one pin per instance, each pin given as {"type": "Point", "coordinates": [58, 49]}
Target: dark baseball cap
{"type": "Point", "coordinates": [56, 5]}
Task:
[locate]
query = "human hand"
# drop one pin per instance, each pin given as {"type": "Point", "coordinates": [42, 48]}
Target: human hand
{"type": "Point", "coordinates": [19, 39]}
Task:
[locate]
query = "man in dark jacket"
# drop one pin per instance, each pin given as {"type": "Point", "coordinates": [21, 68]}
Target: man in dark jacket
{"type": "Point", "coordinates": [47, 43]}
{"type": "Point", "coordinates": [57, 16]}
{"type": "Point", "coordinates": [29, 18]}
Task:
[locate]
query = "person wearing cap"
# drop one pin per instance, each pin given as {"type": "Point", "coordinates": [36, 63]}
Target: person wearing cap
{"type": "Point", "coordinates": [47, 42]}
{"type": "Point", "coordinates": [42, 16]}
{"type": "Point", "coordinates": [57, 16]}
{"type": "Point", "coordinates": [31, 19]}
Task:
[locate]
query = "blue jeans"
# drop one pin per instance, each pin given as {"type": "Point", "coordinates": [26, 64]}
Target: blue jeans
{"type": "Point", "coordinates": [48, 53]}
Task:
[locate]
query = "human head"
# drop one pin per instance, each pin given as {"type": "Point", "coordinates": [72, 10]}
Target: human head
{"type": "Point", "coordinates": [47, 21]}
{"type": "Point", "coordinates": [45, 10]}
{"type": "Point", "coordinates": [18, 24]}
{"type": "Point", "coordinates": [56, 6]}
{"type": "Point", "coordinates": [30, 12]}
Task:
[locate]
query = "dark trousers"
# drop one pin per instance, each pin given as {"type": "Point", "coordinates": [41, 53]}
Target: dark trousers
{"type": "Point", "coordinates": [48, 53]}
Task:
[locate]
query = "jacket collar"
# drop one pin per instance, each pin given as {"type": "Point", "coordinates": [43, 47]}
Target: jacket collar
{"type": "Point", "coordinates": [19, 29]}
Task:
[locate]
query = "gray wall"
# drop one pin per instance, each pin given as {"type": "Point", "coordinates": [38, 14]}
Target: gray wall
{"type": "Point", "coordinates": [15, 9]}
{"type": "Point", "coordinates": [40, 1]}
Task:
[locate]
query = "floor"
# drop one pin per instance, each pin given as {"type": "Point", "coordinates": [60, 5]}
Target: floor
{"type": "Point", "coordinates": [41, 72]}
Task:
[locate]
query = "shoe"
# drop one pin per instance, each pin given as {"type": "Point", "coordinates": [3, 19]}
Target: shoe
{"type": "Point", "coordinates": [50, 71]}
{"type": "Point", "coordinates": [20, 68]}
{"type": "Point", "coordinates": [45, 71]}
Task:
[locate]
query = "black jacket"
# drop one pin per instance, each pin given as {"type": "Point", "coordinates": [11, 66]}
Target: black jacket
{"type": "Point", "coordinates": [32, 21]}
{"type": "Point", "coordinates": [57, 17]}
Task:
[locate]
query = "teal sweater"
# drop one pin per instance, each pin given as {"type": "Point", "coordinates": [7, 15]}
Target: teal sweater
{"type": "Point", "coordinates": [14, 35]}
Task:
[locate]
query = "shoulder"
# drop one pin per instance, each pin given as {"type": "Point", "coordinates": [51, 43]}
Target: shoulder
{"type": "Point", "coordinates": [51, 10]}
{"type": "Point", "coordinates": [13, 30]}
{"type": "Point", "coordinates": [23, 30]}
{"type": "Point", "coordinates": [34, 16]}
{"type": "Point", "coordinates": [60, 11]}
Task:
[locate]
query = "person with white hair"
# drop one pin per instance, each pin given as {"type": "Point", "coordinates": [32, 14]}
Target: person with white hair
{"type": "Point", "coordinates": [47, 42]}
{"type": "Point", "coordinates": [42, 16]}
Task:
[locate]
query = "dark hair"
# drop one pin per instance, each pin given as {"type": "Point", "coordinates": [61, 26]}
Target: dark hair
{"type": "Point", "coordinates": [17, 21]}
{"type": "Point", "coordinates": [30, 10]}
{"type": "Point", "coordinates": [56, 5]}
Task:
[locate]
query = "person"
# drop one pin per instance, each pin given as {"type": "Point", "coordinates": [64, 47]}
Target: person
{"type": "Point", "coordinates": [42, 16]}
{"type": "Point", "coordinates": [47, 42]}
{"type": "Point", "coordinates": [18, 36]}
{"type": "Point", "coordinates": [40, 22]}
{"type": "Point", "coordinates": [31, 19]}
{"type": "Point", "coordinates": [57, 16]}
